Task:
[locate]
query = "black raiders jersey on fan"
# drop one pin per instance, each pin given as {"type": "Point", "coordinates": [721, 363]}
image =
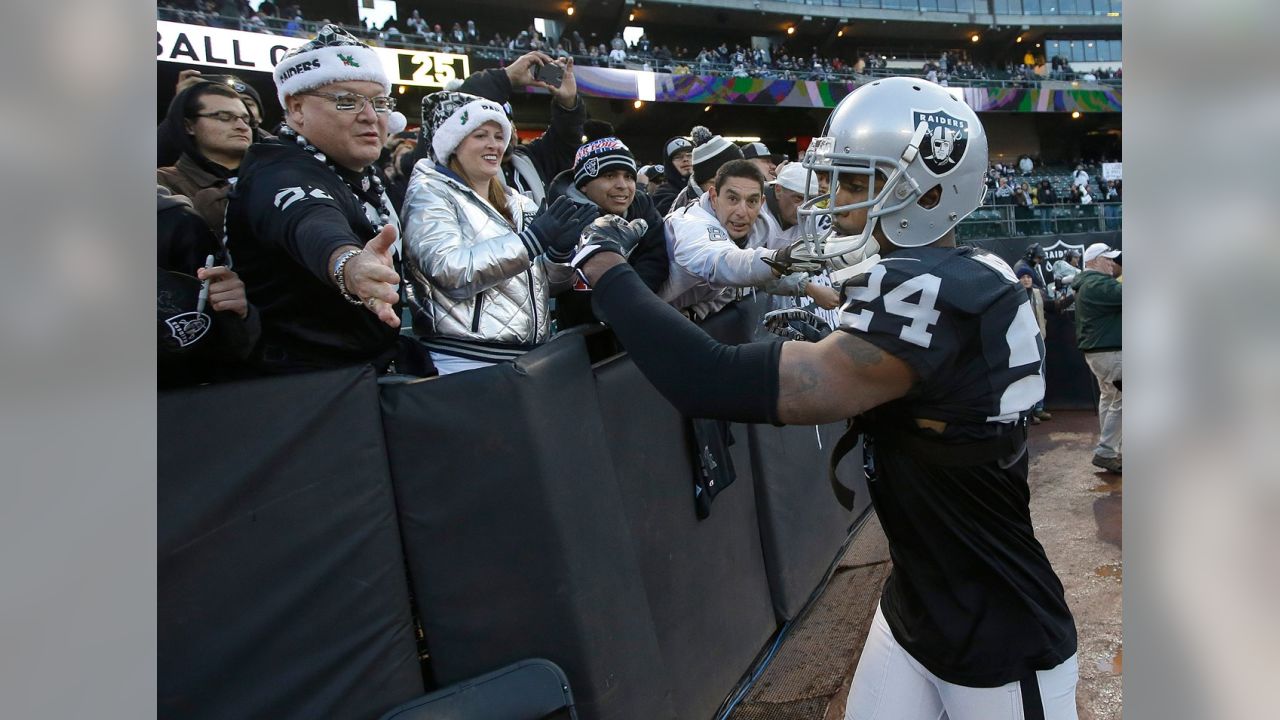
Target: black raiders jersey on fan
{"type": "Point", "coordinates": [972, 595]}
{"type": "Point", "coordinates": [960, 319]}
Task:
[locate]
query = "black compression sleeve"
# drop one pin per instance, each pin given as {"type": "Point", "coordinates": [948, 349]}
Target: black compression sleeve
{"type": "Point", "coordinates": [699, 376]}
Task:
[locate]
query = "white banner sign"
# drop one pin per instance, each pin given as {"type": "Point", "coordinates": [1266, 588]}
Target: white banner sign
{"type": "Point", "coordinates": [235, 50]}
{"type": "Point", "coordinates": [1111, 171]}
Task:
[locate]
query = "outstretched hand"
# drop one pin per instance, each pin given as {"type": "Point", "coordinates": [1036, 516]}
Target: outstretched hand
{"type": "Point", "coordinates": [796, 257]}
{"type": "Point", "coordinates": [824, 296]}
{"type": "Point", "coordinates": [371, 276]}
{"type": "Point", "coordinates": [609, 233]}
{"type": "Point", "coordinates": [561, 224]}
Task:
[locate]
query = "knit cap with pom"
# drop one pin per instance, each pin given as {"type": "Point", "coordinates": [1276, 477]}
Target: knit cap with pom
{"type": "Point", "coordinates": [710, 151]}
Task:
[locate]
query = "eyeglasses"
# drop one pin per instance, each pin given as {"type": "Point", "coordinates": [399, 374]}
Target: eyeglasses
{"type": "Point", "coordinates": [355, 102]}
{"type": "Point", "coordinates": [226, 116]}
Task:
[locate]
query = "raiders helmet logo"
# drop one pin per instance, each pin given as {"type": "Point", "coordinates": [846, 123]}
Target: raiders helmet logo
{"type": "Point", "coordinates": [592, 167]}
{"type": "Point", "coordinates": [188, 327]}
{"type": "Point", "coordinates": [945, 140]}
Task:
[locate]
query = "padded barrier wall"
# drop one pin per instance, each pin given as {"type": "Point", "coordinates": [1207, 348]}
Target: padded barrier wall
{"type": "Point", "coordinates": [800, 522]}
{"type": "Point", "coordinates": [705, 579]}
{"type": "Point", "coordinates": [282, 591]}
{"type": "Point", "coordinates": [516, 532]}
{"type": "Point", "coordinates": [545, 509]}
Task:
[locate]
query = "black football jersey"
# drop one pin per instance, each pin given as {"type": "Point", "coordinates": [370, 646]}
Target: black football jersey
{"type": "Point", "coordinates": [961, 320]}
{"type": "Point", "coordinates": [972, 595]}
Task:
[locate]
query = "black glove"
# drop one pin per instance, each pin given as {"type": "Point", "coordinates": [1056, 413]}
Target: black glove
{"type": "Point", "coordinates": [793, 258]}
{"type": "Point", "coordinates": [796, 324]}
{"type": "Point", "coordinates": [609, 233]}
{"type": "Point", "coordinates": [556, 229]}
{"type": "Point", "coordinates": [560, 248]}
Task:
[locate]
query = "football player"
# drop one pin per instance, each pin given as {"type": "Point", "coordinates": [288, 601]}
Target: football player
{"type": "Point", "coordinates": [937, 359]}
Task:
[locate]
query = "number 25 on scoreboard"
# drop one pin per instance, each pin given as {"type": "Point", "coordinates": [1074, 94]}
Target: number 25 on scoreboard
{"type": "Point", "coordinates": [431, 69]}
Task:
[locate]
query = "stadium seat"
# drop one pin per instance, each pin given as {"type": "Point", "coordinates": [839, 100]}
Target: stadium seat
{"type": "Point", "coordinates": [532, 689]}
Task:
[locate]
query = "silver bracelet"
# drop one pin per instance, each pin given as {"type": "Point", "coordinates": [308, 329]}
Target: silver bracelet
{"type": "Point", "coordinates": [339, 276]}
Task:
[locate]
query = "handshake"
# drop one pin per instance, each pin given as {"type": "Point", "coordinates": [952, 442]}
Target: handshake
{"type": "Point", "coordinates": [827, 253]}
{"type": "Point", "coordinates": [569, 233]}
{"type": "Point", "coordinates": [608, 233]}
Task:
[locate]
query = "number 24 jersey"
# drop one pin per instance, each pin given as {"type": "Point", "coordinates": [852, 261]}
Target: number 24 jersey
{"type": "Point", "coordinates": [960, 319]}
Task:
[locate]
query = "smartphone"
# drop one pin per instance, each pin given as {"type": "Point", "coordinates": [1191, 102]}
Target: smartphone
{"type": "Point", "coordinates": [551, 74]}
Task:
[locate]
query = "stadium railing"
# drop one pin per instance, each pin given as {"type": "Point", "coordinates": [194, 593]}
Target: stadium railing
{"type": "Point", "coordinates": [1008, 220]}
{"type": "Point", "coordinates": [408, 41]}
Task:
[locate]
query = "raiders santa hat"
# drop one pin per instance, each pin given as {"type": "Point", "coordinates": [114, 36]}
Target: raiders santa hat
{"type": "Point", "coordinates": [334, 55]}
{"type": "Point", "coordinates": [448, 117]}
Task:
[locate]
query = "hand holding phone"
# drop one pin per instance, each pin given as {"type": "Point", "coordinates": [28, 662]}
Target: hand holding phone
{"type": "Point", "coordinates": [550, 73]}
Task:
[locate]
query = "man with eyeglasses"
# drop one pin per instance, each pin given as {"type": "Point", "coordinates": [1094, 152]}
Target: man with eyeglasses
{"type": "Point", "coordinates": [167, 151]}
{"type": "Point", "coordinates": [311, 230]}
{"type": "Point", "coordinates": [209, 124]}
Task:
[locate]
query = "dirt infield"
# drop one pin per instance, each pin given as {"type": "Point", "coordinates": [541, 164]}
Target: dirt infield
{"type": "Point", "coordinates": [1076, 509]}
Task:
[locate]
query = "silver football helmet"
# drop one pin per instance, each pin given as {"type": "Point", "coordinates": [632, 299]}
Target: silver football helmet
{"type": "Point", "coordinates": [918, 136]}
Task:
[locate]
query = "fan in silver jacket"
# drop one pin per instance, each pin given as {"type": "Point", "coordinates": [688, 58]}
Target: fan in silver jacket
{"type": "Point", "coordinates": [473, 289]}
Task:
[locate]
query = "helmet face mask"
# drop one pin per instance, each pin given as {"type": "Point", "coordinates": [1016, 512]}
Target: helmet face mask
{"type": "Point", "coordinates": [916, 136]}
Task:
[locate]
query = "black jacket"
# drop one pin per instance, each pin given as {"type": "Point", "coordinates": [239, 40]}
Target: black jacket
{"type": "Point", "coordinates": [193, 347]}
{"type": "Point", "coordinates": [286, 216]}
{"type": "Point", "coordinates": [666, 193]}
{"type": "Point", "coordinates": [649, 257]}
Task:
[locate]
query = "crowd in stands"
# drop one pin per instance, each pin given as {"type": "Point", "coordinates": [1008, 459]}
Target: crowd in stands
{"type": "Point", "coordinates": [1040, 195]}
{"type": "Point", "coordinates": [309, 244]}
{"type": "Point", "coordinates": [787, 61]}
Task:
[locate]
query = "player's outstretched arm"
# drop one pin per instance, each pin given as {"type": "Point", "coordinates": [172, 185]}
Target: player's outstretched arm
{"type": "Point", "coordinates": [794, 382]}
{"type": "Point", "coordinates": [837, 378]}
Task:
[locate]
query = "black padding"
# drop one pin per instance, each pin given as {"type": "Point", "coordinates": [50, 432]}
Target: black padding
{"type": "Point", "coordinates": [515, 534]}
{"type": "Point", "coordinates": [802, 526]}
{"type": "Point", "coordinates": [1069, 383]}
{"type": "Point", "coordinates": [527, 690]}
{"type": "Point", "coordinates": [282, 590]}
{"type": "Point", "coordinates": [705, 579]}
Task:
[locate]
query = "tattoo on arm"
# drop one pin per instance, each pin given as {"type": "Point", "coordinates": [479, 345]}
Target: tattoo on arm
{"type": "Point", "coordinates": [861, 352]}
{"type": "Point", "coordinates": [837, 378]}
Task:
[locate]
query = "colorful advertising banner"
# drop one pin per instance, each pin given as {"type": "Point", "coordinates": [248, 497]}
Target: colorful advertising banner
{"type": "Point", "coordinates": [235, 50]}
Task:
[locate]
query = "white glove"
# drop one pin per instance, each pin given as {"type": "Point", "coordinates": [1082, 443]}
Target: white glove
{"type": "Point", "coordinates": [846, 250]}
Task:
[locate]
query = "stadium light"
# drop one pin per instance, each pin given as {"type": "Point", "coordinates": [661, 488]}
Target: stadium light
{"type": "Point", "coordinates": [631, 17]}
{"type": "Point", "coordinates": [637, 104]}
{"type": "Point", "coordinates": [840, 33]}
{"type": "Point", "coordinates": [791, 30]}
{"type": "Point", "coordinates": [1019, 39]}
{"type": "Point", "coordinates": [570, 11]}
{"type": "Point", "coordinates": [1075, 114]}
{"type": "Point", "coordinates": [402, 89]}
{"type": "Point", "coordinates": [975, 37]}
{"type": "Point", "coordinates": [706, 109]}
